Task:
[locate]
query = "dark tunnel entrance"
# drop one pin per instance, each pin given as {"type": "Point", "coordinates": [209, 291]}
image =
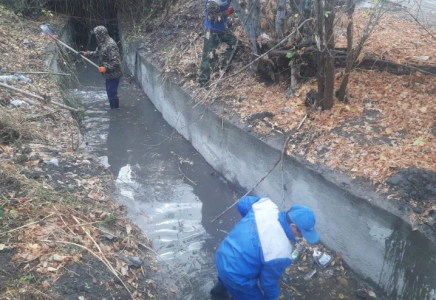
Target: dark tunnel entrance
{"type": "Point", "coordinates": [84, 15]}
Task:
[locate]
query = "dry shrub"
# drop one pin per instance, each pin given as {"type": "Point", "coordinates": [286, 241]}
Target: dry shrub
{"type": "Point", "coordinates": [7, 134]}
{"type": "Point", "coordinates": [13, 128]}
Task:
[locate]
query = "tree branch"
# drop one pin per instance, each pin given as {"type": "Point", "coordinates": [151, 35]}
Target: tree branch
{"type": "Point", "coordinates": [264, 54]}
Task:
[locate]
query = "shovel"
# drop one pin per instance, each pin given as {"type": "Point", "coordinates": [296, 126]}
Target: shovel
{"type": "Point", "coordinates": [48, 30]}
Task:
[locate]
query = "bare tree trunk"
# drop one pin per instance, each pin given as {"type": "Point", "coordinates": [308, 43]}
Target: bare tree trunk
{"type": "Point", "coordinates": [321, 57]}
{"type": "Point", "coordinates": [342, 92]}
{"type": "Point", "coordinates": [280, 17]}
{"type": "Point", "coordinates": [329, 57]}
{"type": "Point", "coordinates": [354, 53]}
{"type": "Point", "coordinates": [250, 20]}
{"type": "Point", "coordinates": [24, 7]}
{"type": "Point", "coordinates": [305, 8]}
{"type": "Point", "coordinates": [293, 78]}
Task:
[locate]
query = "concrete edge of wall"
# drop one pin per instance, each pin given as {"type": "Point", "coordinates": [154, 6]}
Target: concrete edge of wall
{"type": "Point", "coordinates": [373, 239]}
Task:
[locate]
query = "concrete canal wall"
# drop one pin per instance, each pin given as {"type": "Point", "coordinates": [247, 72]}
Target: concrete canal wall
{"type": "Point", "coordinates": [373, 239]}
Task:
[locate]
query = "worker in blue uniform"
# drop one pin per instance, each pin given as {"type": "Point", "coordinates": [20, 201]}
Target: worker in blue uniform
{"type": "Point", "coordinates": [253, 257]}
{"type": "Point", "coordinates": [216, 32]}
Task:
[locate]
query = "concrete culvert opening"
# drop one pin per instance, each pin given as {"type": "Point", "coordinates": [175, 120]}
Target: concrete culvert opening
{"type": "Point", "coordinates": [85, 15]}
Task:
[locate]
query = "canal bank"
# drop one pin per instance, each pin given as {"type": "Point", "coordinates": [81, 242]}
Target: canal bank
{"type": "Point", "coordinates": [374, 237]}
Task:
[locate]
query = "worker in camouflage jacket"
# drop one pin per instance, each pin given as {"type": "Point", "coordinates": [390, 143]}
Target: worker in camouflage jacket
{"type": "Point", "coordinates": [216, 32]}
{"type": "Point", "coordinates": [110, 61]}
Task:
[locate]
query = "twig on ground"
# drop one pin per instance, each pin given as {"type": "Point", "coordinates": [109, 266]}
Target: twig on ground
{"type": "Point", "coordinates": [95, 255]}
{"type": "Point", "coordinates": [184, 175]}
{"type": "Point", "coordinates": [24, 226]}
{"type": "Point", "coordinates": [103, 257]}
{"type": "Point", "coordinates": [21, 91]}
{"type": "Point", "coordinates": [193, 42]}
{"type": "Point", "coordinates": [39, 292]}
{"type": "Point", "coordinates": [302, 121]}
{"type": "Point", "coordinates": [290, 287]}
{"type": "Point", "coordinates": [60, 216]}
{"type": "Point", "coordinates": [37, 97]}
{"type": "Point", "coordinates": [152, 251]}
{"type": "Point", "coordinates": [39, 116]}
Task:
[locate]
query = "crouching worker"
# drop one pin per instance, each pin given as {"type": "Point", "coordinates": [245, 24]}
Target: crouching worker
{"type": "Point", "coordinates": [109, 55]}
{"type": "Point", "coordinates": [253, 257]}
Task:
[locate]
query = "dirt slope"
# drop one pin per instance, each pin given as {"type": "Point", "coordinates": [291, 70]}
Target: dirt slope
{"type": "Point", "coordinates": [61, 235]}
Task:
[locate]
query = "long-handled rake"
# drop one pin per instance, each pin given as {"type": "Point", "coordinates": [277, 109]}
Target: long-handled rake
{"type": "Point", "coordinates": [48, 30]}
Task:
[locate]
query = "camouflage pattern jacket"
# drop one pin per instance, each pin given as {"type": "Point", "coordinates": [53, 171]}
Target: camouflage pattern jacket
{"type": "Point", "coordinates": [215, 17]}
{"type": "Point", "coordinates": [109, 56]}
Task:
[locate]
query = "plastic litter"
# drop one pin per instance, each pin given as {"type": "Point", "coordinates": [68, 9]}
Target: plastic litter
{"type": "Point", "coordinates": [309, 275]}
{"type": "Point", "coordinates": [321, 258]}
{"type": "Point", "coordinates": [296, 253]}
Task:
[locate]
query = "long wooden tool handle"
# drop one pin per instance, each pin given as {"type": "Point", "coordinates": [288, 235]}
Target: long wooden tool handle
{"type": "Point", "coordinates": [65, 45]}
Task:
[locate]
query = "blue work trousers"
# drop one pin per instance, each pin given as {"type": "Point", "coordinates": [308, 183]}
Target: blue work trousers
{"type": "Point", "coordinates": [112, 91]}
{"type": "Point", "coordinates": [245, 294]}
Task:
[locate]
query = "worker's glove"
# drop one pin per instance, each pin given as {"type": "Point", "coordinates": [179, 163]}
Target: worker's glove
{"type": "Point", "coordinates": [230, 22]}
{"type": "Point", "coordinates": [102, 69]}
{"type": "Point", "coordinates": [281, 298]}
{"type": "Point", "coordinates": [229, 11]}
{"type": "Point", "coordinates": [53, 36]}
{"type": "Point", "coordinates": [84, 53]}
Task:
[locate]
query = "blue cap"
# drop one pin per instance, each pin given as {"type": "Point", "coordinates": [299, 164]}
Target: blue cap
{"type": "Point", "coordinates": [304, 218]}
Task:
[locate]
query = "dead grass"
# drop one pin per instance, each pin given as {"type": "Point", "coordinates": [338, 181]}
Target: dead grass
{"type": "Point", "coordinates": [50, 217]}
{"type": "Point", "coordinates": [14, 128]}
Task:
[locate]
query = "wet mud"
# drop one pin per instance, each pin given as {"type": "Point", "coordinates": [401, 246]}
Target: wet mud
{"type": "Point", "coordinates": [91, 282]}
{"type": "Point", "coordinates": [415, 183]}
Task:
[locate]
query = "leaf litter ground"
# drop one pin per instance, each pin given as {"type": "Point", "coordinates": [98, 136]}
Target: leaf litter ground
{"type": "Point", "coordinates": [61, 237]}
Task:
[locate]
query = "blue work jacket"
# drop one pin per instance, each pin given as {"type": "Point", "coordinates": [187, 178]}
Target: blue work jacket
{"type": "Point", "coordinates": [258, 249]}
{"type": "Point", "coordinates": [218, 27]}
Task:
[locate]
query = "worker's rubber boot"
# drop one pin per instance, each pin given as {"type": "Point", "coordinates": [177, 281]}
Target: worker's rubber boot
{"type": "Point", "coordinates": [116, 103]}
{"type": "Point", "coordinates": [219, 290]}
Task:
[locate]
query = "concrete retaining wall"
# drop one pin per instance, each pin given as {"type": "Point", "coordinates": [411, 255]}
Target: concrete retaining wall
{"type": "Point", "coordinates": [65, 35]}
{"type": "Point", "coordinates": [374, 242]}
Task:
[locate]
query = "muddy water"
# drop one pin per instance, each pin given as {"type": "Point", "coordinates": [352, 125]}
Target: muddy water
{"type": "Point", "coordinates": [170, 191]}
{"type": "Point", "coordinates": [172, 194]}
{"type": "Point", "coordinates": [423, 10]}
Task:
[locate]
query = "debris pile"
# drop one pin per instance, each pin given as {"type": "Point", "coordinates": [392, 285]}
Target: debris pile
{"type": "Point", "coordinates": [319, 274]}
